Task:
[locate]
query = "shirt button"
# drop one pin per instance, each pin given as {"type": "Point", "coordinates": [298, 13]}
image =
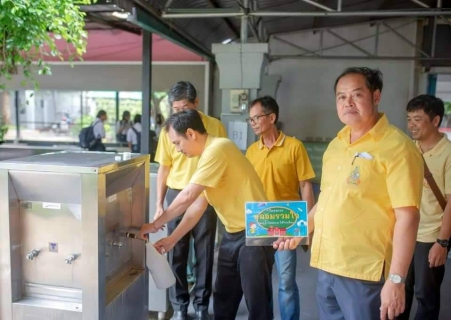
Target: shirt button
{"type": "Point", "coordinates": [329, 188]}
{"type": "Point", "coordinates": [339, 168]}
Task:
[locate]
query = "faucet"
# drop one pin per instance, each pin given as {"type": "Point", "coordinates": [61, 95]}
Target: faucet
{"type": "Point", "coordinates": [33, 254]}
{"type": "Point", "coordinates": [118, 244]}
{"type": "Point", "coordinates": [70, 259]}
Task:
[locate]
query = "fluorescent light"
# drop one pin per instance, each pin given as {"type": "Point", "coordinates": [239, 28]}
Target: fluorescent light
{"type": "Point", "coordinates": [227, 41]}
{"type": "Point", "coordinates": [120, 15]}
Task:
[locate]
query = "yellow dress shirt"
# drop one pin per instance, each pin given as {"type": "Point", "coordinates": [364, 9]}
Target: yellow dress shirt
{"type": "Point", "coordinates": [362, 183]}
{"type": "Point", "coordinates": [439, 163]}
{"type": "Point", "coordinates": [182, 167]}
{"type": "Point", "coordinates": [231, 181]}
{"type": "Point", "coordinates": [282, 167]}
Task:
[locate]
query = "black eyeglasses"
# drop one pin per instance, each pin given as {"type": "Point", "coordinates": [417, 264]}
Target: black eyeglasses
{"type": "Point", "coordinates": [256, 119]}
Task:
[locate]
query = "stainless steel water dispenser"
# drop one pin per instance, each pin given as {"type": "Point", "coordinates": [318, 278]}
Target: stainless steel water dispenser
{"type": "Point", "coordinates": [62, 250]}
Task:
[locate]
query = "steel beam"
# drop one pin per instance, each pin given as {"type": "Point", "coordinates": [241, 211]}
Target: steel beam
{"type": "Point", "coordinates": [318, 5]}
{"type": "Point", "coordinates": [150, 23]}
{"type": "Point", "coordinates": [356, 40]}
{"type": "Point", "coordinates": [280, 57]}
{"type": "Point", "coordinates": [227, 21]}
{"type": "Point", "coordinates": [168, 3]}
{"type": "Point", "coordinates": [146, 91]}
{"type": "Point", "coordinates": [92, 17]}
{"type": "Point", "coordinates": [339, 5]}
{"type": "Point", "coordinates": [406, 40]}
{"type": "Point", "coordinates": [350, 43]}
{"type": "Point", "coordinates": [376, 39]}
{"type": "Point", "coordinates": [295, 45]}
{"type": "Point", "coordinates": [244, 20]}
{"type": "Point", "coordinates": [439, 4]}
{"type": "Point", "coordinates": [222, 13]}
{"type": "Point", "coordinates": [377, 13]}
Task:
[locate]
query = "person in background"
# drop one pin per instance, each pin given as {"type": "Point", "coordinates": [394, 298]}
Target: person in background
{"type": "Point", "coordinates": [366, 219]}
{"type": "Point", "coordinates": [174, 174]}
{"type": "Point", "coordinates": [427, 269]}
{"type": "Point", "coordinates": [226, 179]}
{"type": "Point", "coordinates": [123, 126]}
{"type": "Point", "coordinates": [134, 135]}
{"type": "Point", "coordinates": [159, 123]}
{"type": "Point", "coordinates": [98, 128]}
{"type": "Point", "coordinates": [283, 165]}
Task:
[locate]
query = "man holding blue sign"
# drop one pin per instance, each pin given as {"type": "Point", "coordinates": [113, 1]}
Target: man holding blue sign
{"type": "Point", "coordinates": [366, 218]}
{"type": "Point", "coordinates": [283, 165]}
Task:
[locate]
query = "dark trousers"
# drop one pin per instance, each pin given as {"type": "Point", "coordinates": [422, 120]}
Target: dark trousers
{"type": "Point", "coordinates": [341, 298]}
{"type": "Point", "coordinates": [204, 240]}
{"type": "Point", "coordinates": [423, 282]}
{"type": "Point", "coordinates": [243, 269]}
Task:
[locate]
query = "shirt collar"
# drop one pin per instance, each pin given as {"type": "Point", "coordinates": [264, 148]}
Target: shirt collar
{"type": "Point", "coordinates": [279, 142]}
{"type": "Point", "coordinates": [438, 148]}
{"type": "Point", "coordinates": [376, 132]}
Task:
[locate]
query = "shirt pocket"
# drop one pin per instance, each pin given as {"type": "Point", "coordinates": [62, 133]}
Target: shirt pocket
{"type": "Point", "coordinates": [360, 177]}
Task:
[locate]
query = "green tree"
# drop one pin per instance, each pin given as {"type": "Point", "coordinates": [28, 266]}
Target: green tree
{"type": "Point", "coordinates": [29, 29]}
{"type": "Point", "coordinates": [447, 107]}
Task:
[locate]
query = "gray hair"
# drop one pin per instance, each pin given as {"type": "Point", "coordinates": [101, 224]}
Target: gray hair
{"type": "Point", "coordinates": [182, 90]}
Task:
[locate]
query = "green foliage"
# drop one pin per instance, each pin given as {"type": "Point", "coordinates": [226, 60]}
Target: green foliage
{"type": "Point", "coordinates": [29, 29]}
{"type": "Point", "coordinates": [447, 107]}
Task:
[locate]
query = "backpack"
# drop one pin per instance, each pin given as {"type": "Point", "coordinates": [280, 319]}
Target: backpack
{"type": "Point", "coordinates": [86, 137]}
{"type": "Point", "coordinates": [136, 148]}
{"type": "Point", "coordinates": [152, 138]}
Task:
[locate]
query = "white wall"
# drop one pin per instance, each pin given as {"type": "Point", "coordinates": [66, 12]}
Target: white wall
{"type": "Point", "coordinates": [306, 96]}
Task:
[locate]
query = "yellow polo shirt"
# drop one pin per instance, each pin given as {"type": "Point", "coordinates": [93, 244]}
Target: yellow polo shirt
{"type": "Point", "coordinates": [230, 179]}
{"type": "Point", "coordinates": [182, 167]}
{"type": "Point", "coordinates": [281, 167]}
{"type": "Point", "coordinates": [355, 217]}
{"type": "Point", "coordinates": [439, 163]}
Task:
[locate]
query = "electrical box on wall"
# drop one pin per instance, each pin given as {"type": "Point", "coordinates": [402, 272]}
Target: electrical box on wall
{"type": "Point", "coordinates": [239, 100]}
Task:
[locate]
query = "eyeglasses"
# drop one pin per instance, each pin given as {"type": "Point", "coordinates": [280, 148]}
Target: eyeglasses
{"type": "Point", "coordinates": [256, 119]}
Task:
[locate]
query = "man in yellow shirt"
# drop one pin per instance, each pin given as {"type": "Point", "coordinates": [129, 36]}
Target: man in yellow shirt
{"type": "Point", "coordinates": [427, 269]}
{"type": "Point", "coordinates": [174, 174]}
{"type": "Point", "coordinates": [283, 165]}
{"type": "Point", "coordinates": [225, 179]}
{"type": "Point", "coordinates": [366, 218]}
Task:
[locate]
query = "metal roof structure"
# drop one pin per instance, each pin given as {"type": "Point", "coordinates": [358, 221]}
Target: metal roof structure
{"type": "Point", "coordinates": [200, 23]}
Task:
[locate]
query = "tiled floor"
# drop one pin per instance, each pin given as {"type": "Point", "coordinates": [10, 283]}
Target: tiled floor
{"type": "Point", "coordinates": [306, 279]}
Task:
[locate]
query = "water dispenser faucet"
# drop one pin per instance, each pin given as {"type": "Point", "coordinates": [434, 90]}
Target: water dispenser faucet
{"type": "Point", "coordinates": [70, 259]}
{"type": "Point", "coordinates": [118, 244]}
{"type": "Point", "coordinates": [33, 254]}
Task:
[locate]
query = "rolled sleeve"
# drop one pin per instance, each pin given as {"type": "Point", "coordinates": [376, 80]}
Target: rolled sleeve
{"type": "Point", "coordinates": [304, 168]}
{"type": "Point", "coordinates": [405, 178]}
{"type": "Point", "coordinates": [163, 154]}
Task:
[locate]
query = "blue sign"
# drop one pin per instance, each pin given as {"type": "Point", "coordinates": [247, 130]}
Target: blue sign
{"type": "Point", "coordinates": [276, 219]}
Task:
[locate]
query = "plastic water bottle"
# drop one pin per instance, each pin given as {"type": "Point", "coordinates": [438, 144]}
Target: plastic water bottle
{"type": "Point", "coordinates": [159, 267]}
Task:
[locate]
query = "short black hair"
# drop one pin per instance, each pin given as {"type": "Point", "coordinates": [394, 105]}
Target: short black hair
{"type": "Point", "coordinates": [101, 113]}
{"type": "Point", "coordinates": [431, 105]}
{"type": "Point", "coordinates": [184, 120]}
{"type": "Point", "coordinates": [269, 105]}
{"type": "Point", "coordinates": [182, 90]}
{"type": "Point", "coordinates": [137, 118]}
{"type": "Point", "coordinates": [373, 77]}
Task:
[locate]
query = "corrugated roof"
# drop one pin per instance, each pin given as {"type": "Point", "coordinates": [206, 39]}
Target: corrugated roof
{"type": "Point", "coordinates": [215, 30]}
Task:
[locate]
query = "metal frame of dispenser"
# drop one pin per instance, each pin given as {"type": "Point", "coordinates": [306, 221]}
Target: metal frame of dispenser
{"type": "Point", "coordinates": [63, 253]}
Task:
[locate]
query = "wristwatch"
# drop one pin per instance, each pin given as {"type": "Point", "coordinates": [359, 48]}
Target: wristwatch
{"type": "Point", "coordinates": [396, 278]}
{"type": "Point", "coordinates": [443, 243]}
